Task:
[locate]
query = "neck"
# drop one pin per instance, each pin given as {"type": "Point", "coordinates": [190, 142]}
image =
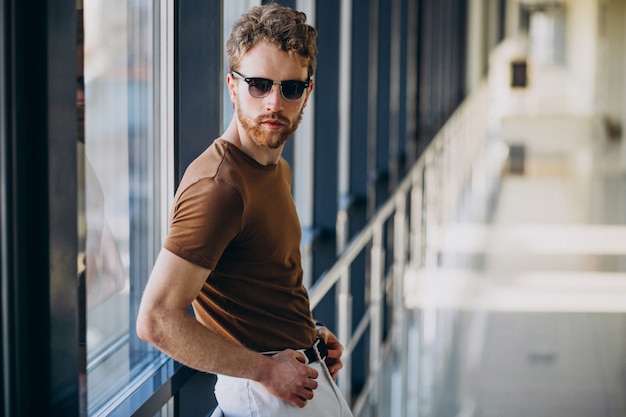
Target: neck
{"type": "Point", "coordinates": [235, 134]}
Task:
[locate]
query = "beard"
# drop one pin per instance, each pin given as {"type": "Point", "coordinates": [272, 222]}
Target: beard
{"type": "Point", "coordinates": [269, 139]}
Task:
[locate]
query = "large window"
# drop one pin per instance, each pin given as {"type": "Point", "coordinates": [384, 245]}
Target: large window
{"type": "Point", "coordinates": [126, 178]}
{"type": "Point", "coordinates": [125, 190]}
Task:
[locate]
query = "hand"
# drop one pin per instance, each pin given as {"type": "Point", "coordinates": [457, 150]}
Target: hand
{"type": "Point", "coordinates": [290, 379]}
{"type": "Point", "coordinates": [335, 349]}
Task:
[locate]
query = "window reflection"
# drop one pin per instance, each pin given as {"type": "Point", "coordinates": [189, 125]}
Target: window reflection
{"type": "Point", "coordinates": [118, 174]}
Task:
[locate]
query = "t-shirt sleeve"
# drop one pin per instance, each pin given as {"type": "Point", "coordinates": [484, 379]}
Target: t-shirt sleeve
{"type": "Point", "coordinates": [206, 217]}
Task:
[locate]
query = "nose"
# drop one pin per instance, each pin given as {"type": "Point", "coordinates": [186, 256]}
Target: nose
{"type": "Point", "coordinates": [274, 100]}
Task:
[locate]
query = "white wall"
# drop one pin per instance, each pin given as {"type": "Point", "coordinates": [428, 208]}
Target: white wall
{"type": "Point", "coordinates": [582, 29]}
{"type": "Point", "coordinates": [568, 89]}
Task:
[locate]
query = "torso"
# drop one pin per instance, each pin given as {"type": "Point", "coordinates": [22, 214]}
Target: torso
{"type": "Point", "coordinates": [237, 218]}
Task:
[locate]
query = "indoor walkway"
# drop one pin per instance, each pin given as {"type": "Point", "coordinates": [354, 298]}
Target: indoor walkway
{"type": "Point", "coordinates": [527, 315]}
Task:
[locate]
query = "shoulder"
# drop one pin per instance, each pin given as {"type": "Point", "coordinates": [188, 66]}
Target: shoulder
{"type": "Point", "coordinates": [214, 167]}
{"type": "Point", "coordinates": [208, 163]}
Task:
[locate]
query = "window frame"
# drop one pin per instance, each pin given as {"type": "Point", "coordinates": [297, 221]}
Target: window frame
{"type": "Point", "coordinates": [154, 373]}
{"type": "Point", "coordinates": [39, 332]}
{"type": "Point", "coordinates": [177, 109]}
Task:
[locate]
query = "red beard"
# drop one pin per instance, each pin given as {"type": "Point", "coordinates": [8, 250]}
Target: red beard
{"type": "Point", "coordinates": [262, 136]}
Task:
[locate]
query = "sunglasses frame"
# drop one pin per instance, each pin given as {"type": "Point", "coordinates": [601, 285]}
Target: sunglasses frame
{"type": "Point", "coordinates": [249, 80]}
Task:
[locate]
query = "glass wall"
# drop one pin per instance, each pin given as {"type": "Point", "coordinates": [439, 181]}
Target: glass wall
{"type": "Point", "coordinates": [124, 167]}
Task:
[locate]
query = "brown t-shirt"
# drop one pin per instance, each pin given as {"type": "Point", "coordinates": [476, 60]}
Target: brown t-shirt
{"type": "Point", "coordinates": [237, 217]}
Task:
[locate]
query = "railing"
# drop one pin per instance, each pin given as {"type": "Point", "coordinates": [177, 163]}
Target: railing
{"type": "Point", "coordinates": [431, 194]}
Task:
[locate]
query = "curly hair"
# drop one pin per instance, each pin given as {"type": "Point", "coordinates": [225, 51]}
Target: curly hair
{"type": "Point", "coordinates": [278, 25]}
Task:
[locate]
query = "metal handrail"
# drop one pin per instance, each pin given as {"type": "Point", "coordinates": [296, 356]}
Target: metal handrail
{"type": "Point", "coordinates": [420, 201]}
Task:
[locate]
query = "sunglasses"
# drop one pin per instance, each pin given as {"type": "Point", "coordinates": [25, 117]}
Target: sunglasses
{"type": "Point", "coordinates": [260, 87]}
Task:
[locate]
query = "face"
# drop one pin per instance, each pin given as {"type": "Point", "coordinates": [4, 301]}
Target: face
{"type": "Point", "coordinates": [269, 121]}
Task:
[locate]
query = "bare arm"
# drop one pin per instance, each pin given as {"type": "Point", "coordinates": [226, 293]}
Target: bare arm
{"type": "Point", "coordinates": [164, 322]}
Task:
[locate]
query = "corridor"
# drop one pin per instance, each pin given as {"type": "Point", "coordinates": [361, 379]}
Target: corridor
{"type": "Point", "coordinates": [458, 175]}
{"type": "Point", "coordinates": [531, 304]}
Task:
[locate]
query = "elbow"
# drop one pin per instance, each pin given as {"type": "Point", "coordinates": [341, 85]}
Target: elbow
{"type": "Point", "coordinates": [149, 327]}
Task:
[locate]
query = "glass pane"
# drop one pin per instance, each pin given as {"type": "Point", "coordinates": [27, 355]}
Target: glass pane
{"type": "Point", "coordinates": [122, 187]}
{"type": "Point", "coordinates": [231, 11]}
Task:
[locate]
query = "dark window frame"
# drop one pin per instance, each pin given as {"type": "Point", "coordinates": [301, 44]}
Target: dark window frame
{"type": "Point", "coordinates": [40, 349]}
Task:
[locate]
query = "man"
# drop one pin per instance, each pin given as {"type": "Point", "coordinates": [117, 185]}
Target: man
{"type": "Point", "coordinates": [233, 247]}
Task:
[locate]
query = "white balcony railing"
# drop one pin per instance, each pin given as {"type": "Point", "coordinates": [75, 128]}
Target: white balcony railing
{"type": "Point", "coordinates": [431, 194]}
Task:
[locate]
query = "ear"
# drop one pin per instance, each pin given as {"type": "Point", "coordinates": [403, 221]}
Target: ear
{"type": "Point", "coordinates": [231, 83]}
{"type": "Point", "coordinates": [309, 90]}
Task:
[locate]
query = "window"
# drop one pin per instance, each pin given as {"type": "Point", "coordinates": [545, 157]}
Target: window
{"type": "Point", "coordinates": [125, 181]}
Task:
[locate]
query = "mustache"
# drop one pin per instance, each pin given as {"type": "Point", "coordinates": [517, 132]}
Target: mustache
{"type": "Point", "coordinates": [272, 116]}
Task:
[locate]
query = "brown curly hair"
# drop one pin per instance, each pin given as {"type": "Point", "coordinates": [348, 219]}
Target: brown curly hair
{"type": "Point", "coordinates": [278, 25]}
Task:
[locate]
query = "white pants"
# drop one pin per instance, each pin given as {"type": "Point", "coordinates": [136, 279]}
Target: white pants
{"type": "Point", "coordinates": [238, 397]}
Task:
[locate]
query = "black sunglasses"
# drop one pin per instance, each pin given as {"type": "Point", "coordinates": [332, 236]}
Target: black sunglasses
{"type": "Point", "coordinates": [260, 87]}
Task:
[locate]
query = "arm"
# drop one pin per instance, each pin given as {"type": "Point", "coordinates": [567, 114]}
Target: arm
{"type": "Point", "coordinates": [335, 349]}
{"type": "Point", "coordinates": [164, 322]}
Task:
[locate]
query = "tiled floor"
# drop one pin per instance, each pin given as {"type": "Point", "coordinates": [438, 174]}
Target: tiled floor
{"type": "Point", "coordinates": [537, 326]}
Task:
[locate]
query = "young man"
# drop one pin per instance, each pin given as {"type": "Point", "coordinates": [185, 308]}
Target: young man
{"type": "Point", "coordinates": [233, 247]}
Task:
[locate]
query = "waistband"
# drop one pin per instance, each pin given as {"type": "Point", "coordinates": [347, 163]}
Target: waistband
{"type": "Point", "coordinates": [317, 352]}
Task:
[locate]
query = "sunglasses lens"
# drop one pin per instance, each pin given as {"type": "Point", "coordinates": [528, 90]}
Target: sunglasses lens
{"type": "Point", "coordinates": [259, 87]}
{"type": "Point", "coordinates": [292, 90]}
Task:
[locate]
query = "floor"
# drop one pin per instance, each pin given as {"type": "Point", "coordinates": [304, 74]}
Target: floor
{"type": "Point", "coordinates": [527, 315]}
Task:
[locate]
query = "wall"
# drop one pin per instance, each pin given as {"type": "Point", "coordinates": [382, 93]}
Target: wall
{"type": "Point", "coordinates": [555, 89]}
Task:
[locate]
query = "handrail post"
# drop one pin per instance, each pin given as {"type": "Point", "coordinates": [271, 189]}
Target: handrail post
{"type": "Point", "coordinates": [344, 296]}
{"type": "Point", "coordinates": [417, 217]}
{"type": "Point", "coordinates": [376, 312]}
{"type": "Point", "coordinates": [399, 311]}
{"type": "Point", "coordinates": [431, 223]}
{"type": "Point", "coordinates": [343, 303]}
{"type": "Point", "coordinates": [344, 330]}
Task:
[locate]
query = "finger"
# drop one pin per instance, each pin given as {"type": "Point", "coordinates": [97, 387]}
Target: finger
{"type": "Point", "coordinates": [301, 397]}
{"type": "Point", "coordinates": [311, 373]}
{"type": "Point", "coordinates": [297, 401]}
{"type": "Point", "coordinates": [335, 345]}
{"type": "Point", "coordinates": [301, 357]}
{"type": "Point", "coordinates": [305, 394]}
{"type": "Point", "coordinates": [333, 353]}
{"type": "Point", "coordinates": [310, 385]}
{"type": "Point", "coordinates": [334, 364]}
{"type": "Point", "coordinates": [307, 375]}
{"type": "Point", "coordinates": [334, 370]}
